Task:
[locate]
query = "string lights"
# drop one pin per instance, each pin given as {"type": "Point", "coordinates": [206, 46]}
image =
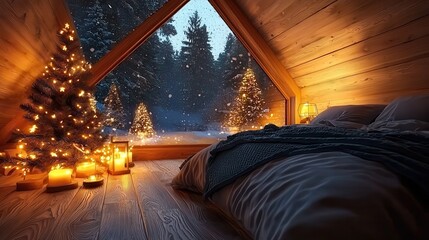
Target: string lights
{"type": "Point", "coordinates": [62, 111]}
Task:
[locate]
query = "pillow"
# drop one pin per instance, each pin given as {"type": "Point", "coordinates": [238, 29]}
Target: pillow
{"type": "Point", "coordinates": [192, 175]}
{"type": "Point", "coordinates": [363, 114]}
{"type": "Point", "coordinates": [399, 125]}
{"type": "Point", "coordinates": [404, 108]}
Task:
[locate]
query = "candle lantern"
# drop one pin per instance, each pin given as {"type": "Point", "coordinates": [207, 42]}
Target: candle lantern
{"type": "Point", "coordinates": [119, 161]}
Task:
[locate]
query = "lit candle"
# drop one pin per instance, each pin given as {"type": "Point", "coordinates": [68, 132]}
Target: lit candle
{"type": "Point", "coordinates": [60, 177]}
{"type": "Point", "coordinates": [120, 162]}
{"type": "Point", "coordinates": [92, 178]}
{"type": "Point", "coordinates": [85, 169]}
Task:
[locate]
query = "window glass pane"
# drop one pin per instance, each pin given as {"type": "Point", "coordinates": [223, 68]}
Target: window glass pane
{"type": "Point", "coordinates": [191, 82]}
{"type": "Point", "coordinates": [102, 23]}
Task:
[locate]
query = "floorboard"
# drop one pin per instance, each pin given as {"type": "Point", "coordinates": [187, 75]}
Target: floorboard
{"type": "Point", "coordinates": [140, 205]}
{"type": "Point", "coordinates": [162, 216]}
{"type": "Point", "coordinates": [82, 218]}
{"type": "Point", "coordinates": [202, 214]}
{"type": "Point", "coordinates": [39, 215]}
{"type": "Point", "coordinates": [121, 218]}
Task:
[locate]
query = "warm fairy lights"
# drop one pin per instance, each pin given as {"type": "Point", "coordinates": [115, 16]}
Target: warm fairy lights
{"type": "Point", "coordinates": [142, 125]}
{"type": "Point", "coordinates": [33, 128]}
{"type": "Point", "coordinates": [62, 110]}
{"type": "Point", "coordinates": [247, 108]}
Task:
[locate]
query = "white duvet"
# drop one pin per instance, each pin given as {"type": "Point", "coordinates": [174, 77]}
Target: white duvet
{"type": "Point", "coordinates": [331, 195]}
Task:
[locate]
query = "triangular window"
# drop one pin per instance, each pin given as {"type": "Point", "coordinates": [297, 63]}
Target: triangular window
{"type": "Point", "coordinates": [190, 82]}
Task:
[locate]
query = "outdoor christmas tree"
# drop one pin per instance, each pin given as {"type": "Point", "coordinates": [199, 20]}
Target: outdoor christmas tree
{"type": "Point", "coordinates": [247, 107]}
{"type": "Point", "coordinates": [65, 125]}
{"type": "Point", "coordinates": [142, 124]}
{"type": "Point", "coordinates": [115, 114]}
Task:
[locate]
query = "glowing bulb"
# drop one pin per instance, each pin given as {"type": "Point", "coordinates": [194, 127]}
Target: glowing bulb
{"type": "Point", "coordinates": [33, 128]}
{"type": "Point", "coordinates": [53, 116]}
{"type": "Point", "coordinates": [62, 89]}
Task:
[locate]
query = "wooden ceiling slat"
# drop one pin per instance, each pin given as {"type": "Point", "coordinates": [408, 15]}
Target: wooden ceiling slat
{"type": "Point", "coordinates": [377, 18]}
{"type": "Point", "coordinates": [290, 16]}
{"type": "Point", "coordinates": [384, 80]}
{"type": "Point", "coordinates": [406, 52]}
{"type": "Point", "coordinates": [403, 34]}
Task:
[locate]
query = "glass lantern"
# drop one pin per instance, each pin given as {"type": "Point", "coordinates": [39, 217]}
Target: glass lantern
{"type": "Point", "coordinates": [119, 160]}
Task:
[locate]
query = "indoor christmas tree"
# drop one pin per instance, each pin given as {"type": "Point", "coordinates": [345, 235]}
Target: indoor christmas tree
{"type": "Point", "coordinates": [115, 114]}
{"type": "Point", "coordinates": [247, 106]}
{"type": "Point", "coordinates": [142, 124]}
{"type": "Point", "coordinates": [65, 125]}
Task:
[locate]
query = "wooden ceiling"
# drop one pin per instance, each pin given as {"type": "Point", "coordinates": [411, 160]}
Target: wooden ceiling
{"type": "Point", "coordinates": [336, 51]}
{"type": "Point", "coordinates": [347, 51]}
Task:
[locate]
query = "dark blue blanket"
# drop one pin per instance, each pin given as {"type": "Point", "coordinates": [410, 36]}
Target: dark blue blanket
{"type": "Point", "coordinates": [405, 154]}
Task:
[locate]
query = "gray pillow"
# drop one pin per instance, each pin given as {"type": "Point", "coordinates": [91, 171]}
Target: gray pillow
{"type": "Point", "coordinates": [404, 108]}
{"type": "Point", "coordinates": [363, 114]}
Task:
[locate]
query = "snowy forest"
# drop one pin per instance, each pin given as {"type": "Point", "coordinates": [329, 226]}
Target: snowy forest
{"type": "Point", "coordinates": [184, 90]}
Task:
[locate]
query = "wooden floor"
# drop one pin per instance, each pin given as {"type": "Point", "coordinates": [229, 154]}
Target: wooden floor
{"type": "Point", "coordinates": [140, 205]}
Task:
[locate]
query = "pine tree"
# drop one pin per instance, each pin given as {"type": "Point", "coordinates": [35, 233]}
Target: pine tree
{"type": "Point", "coordinates": [115, 115]}
{"type": "Point", "coordinates": [142, 125]}
{"type": "Point", "coordinates": [65, 123]}
{"type": "Point", "coordinates": [167, 75]}
{"type": "Point", "coordinates": [100, 40]}
{"type": "Point", "coordinates": [197, 64]}
{"type": "Point", "coordinates": [248, 105]}
{"type": "Point", "coordinates": [139, 72]}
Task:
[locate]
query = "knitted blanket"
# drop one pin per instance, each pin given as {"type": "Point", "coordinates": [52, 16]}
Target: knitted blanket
{"type": "Point", "coordinates": [404, 153]}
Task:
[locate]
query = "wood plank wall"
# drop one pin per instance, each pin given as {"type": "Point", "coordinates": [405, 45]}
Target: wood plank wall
{"type": "Point", "coordinates": [27, 40]}
{"type": "Point", "coordinates": [348, 52]}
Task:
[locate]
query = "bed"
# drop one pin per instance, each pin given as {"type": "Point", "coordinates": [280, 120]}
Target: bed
{"type": "Point", "coordinates": [356, 172]}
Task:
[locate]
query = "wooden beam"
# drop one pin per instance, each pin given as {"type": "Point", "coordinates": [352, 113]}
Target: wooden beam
{"type": "Point", "coordinates": [263, 54]}
{"type": "Point", "coordinates": [133, 40]}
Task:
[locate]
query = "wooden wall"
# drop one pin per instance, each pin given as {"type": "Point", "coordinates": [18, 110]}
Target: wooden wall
{"type": "Point", "coordinates": [348, 51]}
{"type": "Point", "coordinates": [27, 38]}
